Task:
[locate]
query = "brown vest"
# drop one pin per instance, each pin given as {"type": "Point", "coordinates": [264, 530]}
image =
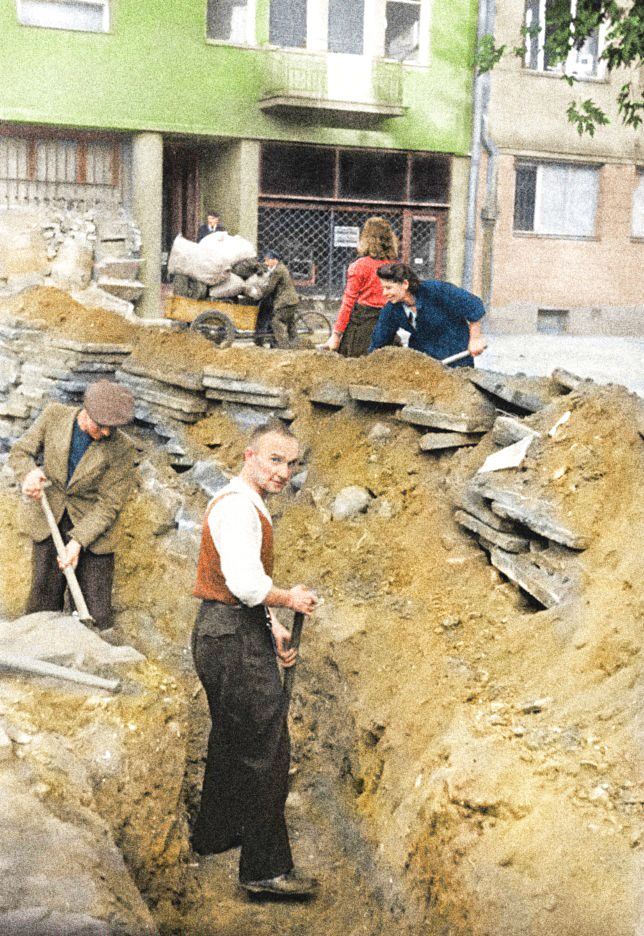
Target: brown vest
{"type": "Point", "coordinates": [211, 584]}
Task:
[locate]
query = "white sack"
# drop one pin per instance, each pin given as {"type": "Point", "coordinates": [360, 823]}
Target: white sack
{"type": "Point", "coordinates": [187, 259]}
{"type": "Point", "coordinates": [255, 286]}
{"type": "Point", "coordinates": [226, 249]}
{"type": "Point", "coordinates": [231, 286]}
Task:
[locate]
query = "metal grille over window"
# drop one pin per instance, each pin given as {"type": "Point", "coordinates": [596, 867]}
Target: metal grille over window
{"type": "Point", "coordinates": [317, 245]}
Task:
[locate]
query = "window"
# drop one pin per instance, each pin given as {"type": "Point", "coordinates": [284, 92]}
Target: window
{"type": "Point", "coordinates": [346, 26]}
{"type": "Point", "coordinates": [637, 227]}
{"type": "Point", "coordinates": [373, 175]}
{"type": "Point", "coordinates": [402, 31]}
{"type": "Point", "coordinates": [82, 15]}
{"type": "Point", "coordinates": [556, 199]}
{"type": "Point", "coordinates": [231, 21]}
{"type": "Point", "coordinates": [298, 170]}
{"type": "Point", "coordinates": [583, 62]}
{"type": "Point", "coordinates": [287, 23]}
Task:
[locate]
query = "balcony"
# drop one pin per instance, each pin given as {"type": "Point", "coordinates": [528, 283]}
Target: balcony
{"type": "Point", "coordinates": [344, 89]}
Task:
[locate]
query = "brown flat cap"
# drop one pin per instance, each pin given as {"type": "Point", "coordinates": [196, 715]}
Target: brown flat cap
{"type": "Point", "coordinates": [109, 404]}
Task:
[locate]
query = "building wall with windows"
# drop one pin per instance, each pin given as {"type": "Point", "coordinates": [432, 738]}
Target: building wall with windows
{"type": "Point", "coordinates": [568, 251]}
{"type": "Point", "coordinates": [377, 93]}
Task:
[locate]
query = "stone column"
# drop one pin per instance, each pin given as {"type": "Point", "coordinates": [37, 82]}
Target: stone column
{"type": "Point", "coordinates": [147, 196]}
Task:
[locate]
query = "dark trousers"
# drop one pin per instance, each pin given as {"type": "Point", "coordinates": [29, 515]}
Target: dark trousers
{"type": "Point", "coordinates": [357, 335]}
{"type": "Point", "coordinates": [94, 573]}
{"type": "Point", "coordinates": [246, 778]}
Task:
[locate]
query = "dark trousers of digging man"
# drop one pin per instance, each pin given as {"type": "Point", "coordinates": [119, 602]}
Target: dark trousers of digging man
{"type": "Point", "coordinates": [246, 778]}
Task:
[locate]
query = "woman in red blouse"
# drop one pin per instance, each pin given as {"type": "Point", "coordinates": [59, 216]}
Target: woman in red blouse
{"type": "Point", "coordinates": [363, 296]}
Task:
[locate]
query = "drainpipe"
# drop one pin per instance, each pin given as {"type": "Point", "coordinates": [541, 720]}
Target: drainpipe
{"type": "Point", "coordinates": [480, 136]}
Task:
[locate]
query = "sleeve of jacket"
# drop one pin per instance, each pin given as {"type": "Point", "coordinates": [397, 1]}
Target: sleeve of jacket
{"type": "Point", "coordinates": [349, 298]}
{"type": "Point", "coordinates": [114, 489]}
{"type": "Point", "coordinates": [461, 303]}
{"type": "Point", "coordinates": [22, 458]}
{"type": "Point", "coordinates": [386, 327]}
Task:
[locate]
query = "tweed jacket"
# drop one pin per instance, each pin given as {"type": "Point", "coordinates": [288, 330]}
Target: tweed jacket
{"type": "Point", "coordinates": [281, 288]}
{"type": "Point", "coordinates": [96, 491]}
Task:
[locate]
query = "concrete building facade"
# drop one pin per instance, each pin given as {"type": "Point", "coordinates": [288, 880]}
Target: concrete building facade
{"type": "Point", "coordinates": [295, 119]}
{"type": "Point", "coordinates": [566, 248]}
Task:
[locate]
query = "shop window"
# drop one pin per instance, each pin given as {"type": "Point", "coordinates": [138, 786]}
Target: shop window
{"type": "Point", "coordinates": [430, 179]}
{"type": "Point", "coordinates": [287, 24]}
{"type": "Point", "coordinates": [556, 199]}
{"type": "Point", "coordinates": [402, 31]}
{"type": "Point", "coordinates": [230, 21]}
{"type": "Point", "coordinates": [298, 170]}
{"type": "Point", "coordinates": [553, 321]}
{"type": "Point", "coordinates": [346, 26]}
{"type": "Point", "coordinates": [637, 226]}
{"type": "Point", "coordinates": [582, 62]}
{"type": "Point", "coordinates": [81, 15]}
{"type": "Point", "coordinates": [376, 176]}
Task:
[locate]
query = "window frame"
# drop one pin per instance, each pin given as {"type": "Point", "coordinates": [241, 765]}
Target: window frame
{"type": "Point", "coordinates": [569, 67]}
{"type": "Point", "coordinates": [317, 32]}
{"type": "Point", "coordinates": [105, 5]}
{"type": "Point", "coordinates": [538, 198]}
{"type": "Point", "coordinates": [250, 40]}
{"type": "Point", "coordinates": [637, 197]}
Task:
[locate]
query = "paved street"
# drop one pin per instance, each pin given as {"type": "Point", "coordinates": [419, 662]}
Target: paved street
{"type": "Point", "coordinates": [605, 359]}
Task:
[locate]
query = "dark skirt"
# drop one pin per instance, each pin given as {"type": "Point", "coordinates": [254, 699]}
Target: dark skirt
{"type": "Point", "coordinates": [357, 335]}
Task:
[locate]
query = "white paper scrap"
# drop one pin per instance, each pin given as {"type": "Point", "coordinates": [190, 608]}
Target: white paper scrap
{"type": "Point", "coordinates": [509, 457]}
{"type": "Point", "coordinates": [562, 419]}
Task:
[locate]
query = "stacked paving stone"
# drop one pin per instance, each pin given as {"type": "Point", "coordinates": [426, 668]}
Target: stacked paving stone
{"type": "Point", "coordinates": [165, 400]}
{"type": "Point", "coordinates": [229, 387]}
{"type": "Point", "coordinates": [35, 368]}
{"type": "Point", "coordinates": [447, 429]}
{"type": "Point", "coordinates": [525, 537]}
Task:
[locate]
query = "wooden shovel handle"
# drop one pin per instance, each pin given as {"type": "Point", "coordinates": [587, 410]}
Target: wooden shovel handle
{"type": "Point", "coordinates": [289, 674]}
{"type": "Point", "coordinates": [68, 572]}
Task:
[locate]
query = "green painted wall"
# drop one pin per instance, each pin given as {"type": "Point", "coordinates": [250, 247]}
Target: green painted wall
{"type": "Point", "coordinates": [155, 72]}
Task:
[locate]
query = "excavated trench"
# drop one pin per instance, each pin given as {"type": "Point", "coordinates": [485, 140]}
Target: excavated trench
{"type": "Point", "coordinates": [465, 757]}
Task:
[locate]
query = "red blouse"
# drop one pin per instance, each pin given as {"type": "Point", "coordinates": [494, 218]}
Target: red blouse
{"type": "Point", "coordinates": [363, 286]}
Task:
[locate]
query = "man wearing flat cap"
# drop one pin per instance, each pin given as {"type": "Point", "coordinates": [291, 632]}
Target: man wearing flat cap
{"type": "Point", "coordinates": [87, 464]}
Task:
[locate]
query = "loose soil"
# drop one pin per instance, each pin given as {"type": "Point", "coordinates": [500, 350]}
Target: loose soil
{"type": "Point", "coordinates": [429, 793]}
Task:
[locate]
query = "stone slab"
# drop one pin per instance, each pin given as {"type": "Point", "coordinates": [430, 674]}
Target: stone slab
{"type": "Point", "coordinates": [118, 267]}
{"type": "Point", "coordinates": [366, 393]}
{"type": "Point", "coordinates": [91, 347]}
{"type": "Point", "coordinates": [568, 381]}
{"type": "Point", "coordinates": [242, 386]}
{"type": "Point", "coordinates": [507, 430]}
{"type": "Point", "coordinates": [537, 515]}
{"type": "Point", "coordinates": [548, 588]}
{"type": "Point", "coordinates": [473, 503]}
{"type": "Point", "coordinates": [435, 441]}
{"type": "Point", "coordinates": [210, 371]}
{"type": "Point", "coordinates": [504, 387]}
{"type": "Point", "coordinates": [439, 419]}
{"type": "Point", "coordinates": [130, 290]}
{"type": "Point", "coordinates": [329, 394]}
{"type": "Point", "coordinates": [507, 541]}
{"type": "Point", "coordinates": [252, 399]}
{"type": "Point", "coordinates": [179, 400]}
{"type": "Point", "coordinates": [184, 379]}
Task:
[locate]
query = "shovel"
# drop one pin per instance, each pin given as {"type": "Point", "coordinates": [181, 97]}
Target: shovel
{"type": "Point", "coordinates": [68, 572]}
{"type": "Point", "coordinates": [456, 357]}
{"type": "Point", "coordinates": [289, 674]}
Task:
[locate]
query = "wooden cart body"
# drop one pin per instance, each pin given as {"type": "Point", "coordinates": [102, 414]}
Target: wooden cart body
{"type": "Point", "coordinates": [243, 317]}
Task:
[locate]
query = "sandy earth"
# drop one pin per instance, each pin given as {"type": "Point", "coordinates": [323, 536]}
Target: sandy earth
{"type": "Point", "coordinates": [466, 763]}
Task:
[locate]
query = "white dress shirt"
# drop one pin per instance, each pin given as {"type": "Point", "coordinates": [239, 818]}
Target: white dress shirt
{"type": "Point", "coordinates": [237, 534]}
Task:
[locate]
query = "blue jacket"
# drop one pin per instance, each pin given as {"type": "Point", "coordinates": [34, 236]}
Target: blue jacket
{"type": "Point", "coordinates": [442, 315]}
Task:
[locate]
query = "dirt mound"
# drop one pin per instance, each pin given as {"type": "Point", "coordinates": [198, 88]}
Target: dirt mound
{"type": "Point", "coordinates": [484, 749]}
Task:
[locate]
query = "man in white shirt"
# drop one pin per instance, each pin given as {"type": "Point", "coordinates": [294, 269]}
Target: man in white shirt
{"type": "Point", "coordinates": [235, 644]}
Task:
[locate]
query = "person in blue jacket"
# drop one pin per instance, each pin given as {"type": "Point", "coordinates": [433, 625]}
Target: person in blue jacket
{"type": "Point", "coordinates": [441, 318]}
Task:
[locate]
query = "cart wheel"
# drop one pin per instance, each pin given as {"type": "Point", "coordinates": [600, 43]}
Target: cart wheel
{"type": "Point", "coordinates": [216, 327]}
{"type": "Point", "coordinates": [312, 328]}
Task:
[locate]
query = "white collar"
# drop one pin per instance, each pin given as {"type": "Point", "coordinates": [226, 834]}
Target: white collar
{"type": "Point", "coordinates": [239, 486]}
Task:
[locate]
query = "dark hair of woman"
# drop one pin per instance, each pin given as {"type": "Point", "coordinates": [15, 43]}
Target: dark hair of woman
{"type": "Point", "coordinates": [398, 273]}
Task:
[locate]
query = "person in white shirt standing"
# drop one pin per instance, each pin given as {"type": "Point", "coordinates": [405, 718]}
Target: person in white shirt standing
{"type": "Point", "coordinates": [236, 643]}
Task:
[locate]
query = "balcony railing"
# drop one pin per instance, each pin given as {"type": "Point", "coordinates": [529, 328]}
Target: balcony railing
{"type": "Point", "coordinates": [302, 81]}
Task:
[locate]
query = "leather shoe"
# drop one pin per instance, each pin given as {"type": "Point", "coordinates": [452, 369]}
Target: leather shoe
{"type": "Point", "coordinates": [291, 884]}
